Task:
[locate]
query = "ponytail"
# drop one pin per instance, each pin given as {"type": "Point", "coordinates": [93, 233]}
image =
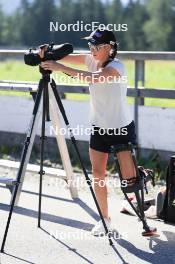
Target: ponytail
{"type": "Point", "coordinates": [114, 50]}
{"type": "Point", "coordinates": [112, 55]}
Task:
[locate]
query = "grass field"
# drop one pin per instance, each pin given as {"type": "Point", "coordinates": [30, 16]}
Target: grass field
{"type": "Point", "coordinates": [158, 74]}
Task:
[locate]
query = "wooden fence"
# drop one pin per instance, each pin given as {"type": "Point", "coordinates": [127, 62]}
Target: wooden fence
{"type": "Point", "coordinates": [139, 93]}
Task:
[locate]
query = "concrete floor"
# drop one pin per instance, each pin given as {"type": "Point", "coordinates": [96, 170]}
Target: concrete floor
{"type": "Point", "coordinates": [65, 234]}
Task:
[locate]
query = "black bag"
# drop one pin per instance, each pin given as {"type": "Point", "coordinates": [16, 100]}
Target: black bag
{"type": "Point", "coordinates": [168, 212]}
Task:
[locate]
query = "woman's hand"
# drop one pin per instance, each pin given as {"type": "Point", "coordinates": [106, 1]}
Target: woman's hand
{"type": "Point", "coordinates": [42, 51]}
{"type": "Point", "coordinates": [51, 65]}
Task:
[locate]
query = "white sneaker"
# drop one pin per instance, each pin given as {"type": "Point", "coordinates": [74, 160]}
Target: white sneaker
{"type": "Point", "coordinates": [98, 229]}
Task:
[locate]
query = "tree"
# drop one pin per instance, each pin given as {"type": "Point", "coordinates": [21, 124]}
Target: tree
{"type": "Point", "coordinates": [36, 18]}
{"type": "Point", "coordinates": [2, 26]}
{"type": "Point", "coordinates": [135, 16]}
{"type": "Point", "coordinates": [171, 38]}
{"type": "Point", "coordinates": [159, 26]}
{"type": "Point", "coordinates": [150, 23]}
{"type": "Point", "coordinates": [25, 23]}
{"type": "Point", "coordinates": [114, 14]}
{"type": "Point", "coordinates": [82, 12]}
{"type": "Point", "coordinates": [11, 33]}
{"type": "Point", "coordinates": [92, 11]}
{"type": "Point", "coordinates": [67, 12]}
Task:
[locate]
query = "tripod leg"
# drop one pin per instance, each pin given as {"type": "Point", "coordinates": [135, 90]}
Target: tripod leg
{"type": "Point", "coordinates": [36, 114]}
{"type": "Point", "coordinates": [43, 138]}
{"type": "Point", "coordinates": [62, 146]}
{"type": "Point", "coordinates": [23, 161]}
{"type": "Point", "coordinates": [88, 180]}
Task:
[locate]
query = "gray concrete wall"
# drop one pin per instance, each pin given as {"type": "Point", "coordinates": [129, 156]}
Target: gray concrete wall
{"type": "Point", "coordinates": [156, 125]}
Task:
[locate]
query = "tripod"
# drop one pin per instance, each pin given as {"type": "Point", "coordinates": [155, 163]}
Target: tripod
{"type": "Point", "coordinates": [46, 83]}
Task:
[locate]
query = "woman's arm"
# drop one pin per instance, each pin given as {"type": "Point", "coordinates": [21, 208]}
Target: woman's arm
{"type": "Point", "coordinates": [74, 58]}
{"type": "Point", "coordinates": [104, 75]}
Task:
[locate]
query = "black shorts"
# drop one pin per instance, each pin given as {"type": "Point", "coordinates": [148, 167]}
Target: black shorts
{"type": "Point", "coordinates": [102, 139]}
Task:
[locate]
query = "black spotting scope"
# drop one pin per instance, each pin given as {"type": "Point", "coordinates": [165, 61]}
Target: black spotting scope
{"type": "Point", "coordinates": [53, 52]}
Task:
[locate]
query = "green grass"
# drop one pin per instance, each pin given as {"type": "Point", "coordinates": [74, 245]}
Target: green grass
{"type": "Point", "coordinates": [158, 74]}
{"type": "Point", "coordinates": [18, 71]}
{"type": "Point", "coordinates": [13, 93]}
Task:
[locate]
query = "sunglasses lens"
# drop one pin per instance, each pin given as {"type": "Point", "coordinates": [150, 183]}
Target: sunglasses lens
{"type": "Point", "coordinates": [94, 47]}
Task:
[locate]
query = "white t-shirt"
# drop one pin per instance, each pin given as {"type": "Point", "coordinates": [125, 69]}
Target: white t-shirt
{"type": "Point", "coordinates": [108, 101]}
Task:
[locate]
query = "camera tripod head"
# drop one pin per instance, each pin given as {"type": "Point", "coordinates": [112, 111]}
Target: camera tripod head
{"type": "Point", "coordinates": [44, 73]}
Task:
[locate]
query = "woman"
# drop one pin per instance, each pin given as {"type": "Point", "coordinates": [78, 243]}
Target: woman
{"type": "Point", "coordinates": [110, 118]}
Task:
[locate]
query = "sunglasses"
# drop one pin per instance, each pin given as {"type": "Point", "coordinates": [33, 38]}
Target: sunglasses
{"type": "Point", "coordinates": [95, 47]}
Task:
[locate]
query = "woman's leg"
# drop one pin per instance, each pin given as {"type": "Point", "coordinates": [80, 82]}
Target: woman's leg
{"type": "Point", "coordinates": [99, 161]}
{"type": "Point", "coordinates": [126, 163]}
